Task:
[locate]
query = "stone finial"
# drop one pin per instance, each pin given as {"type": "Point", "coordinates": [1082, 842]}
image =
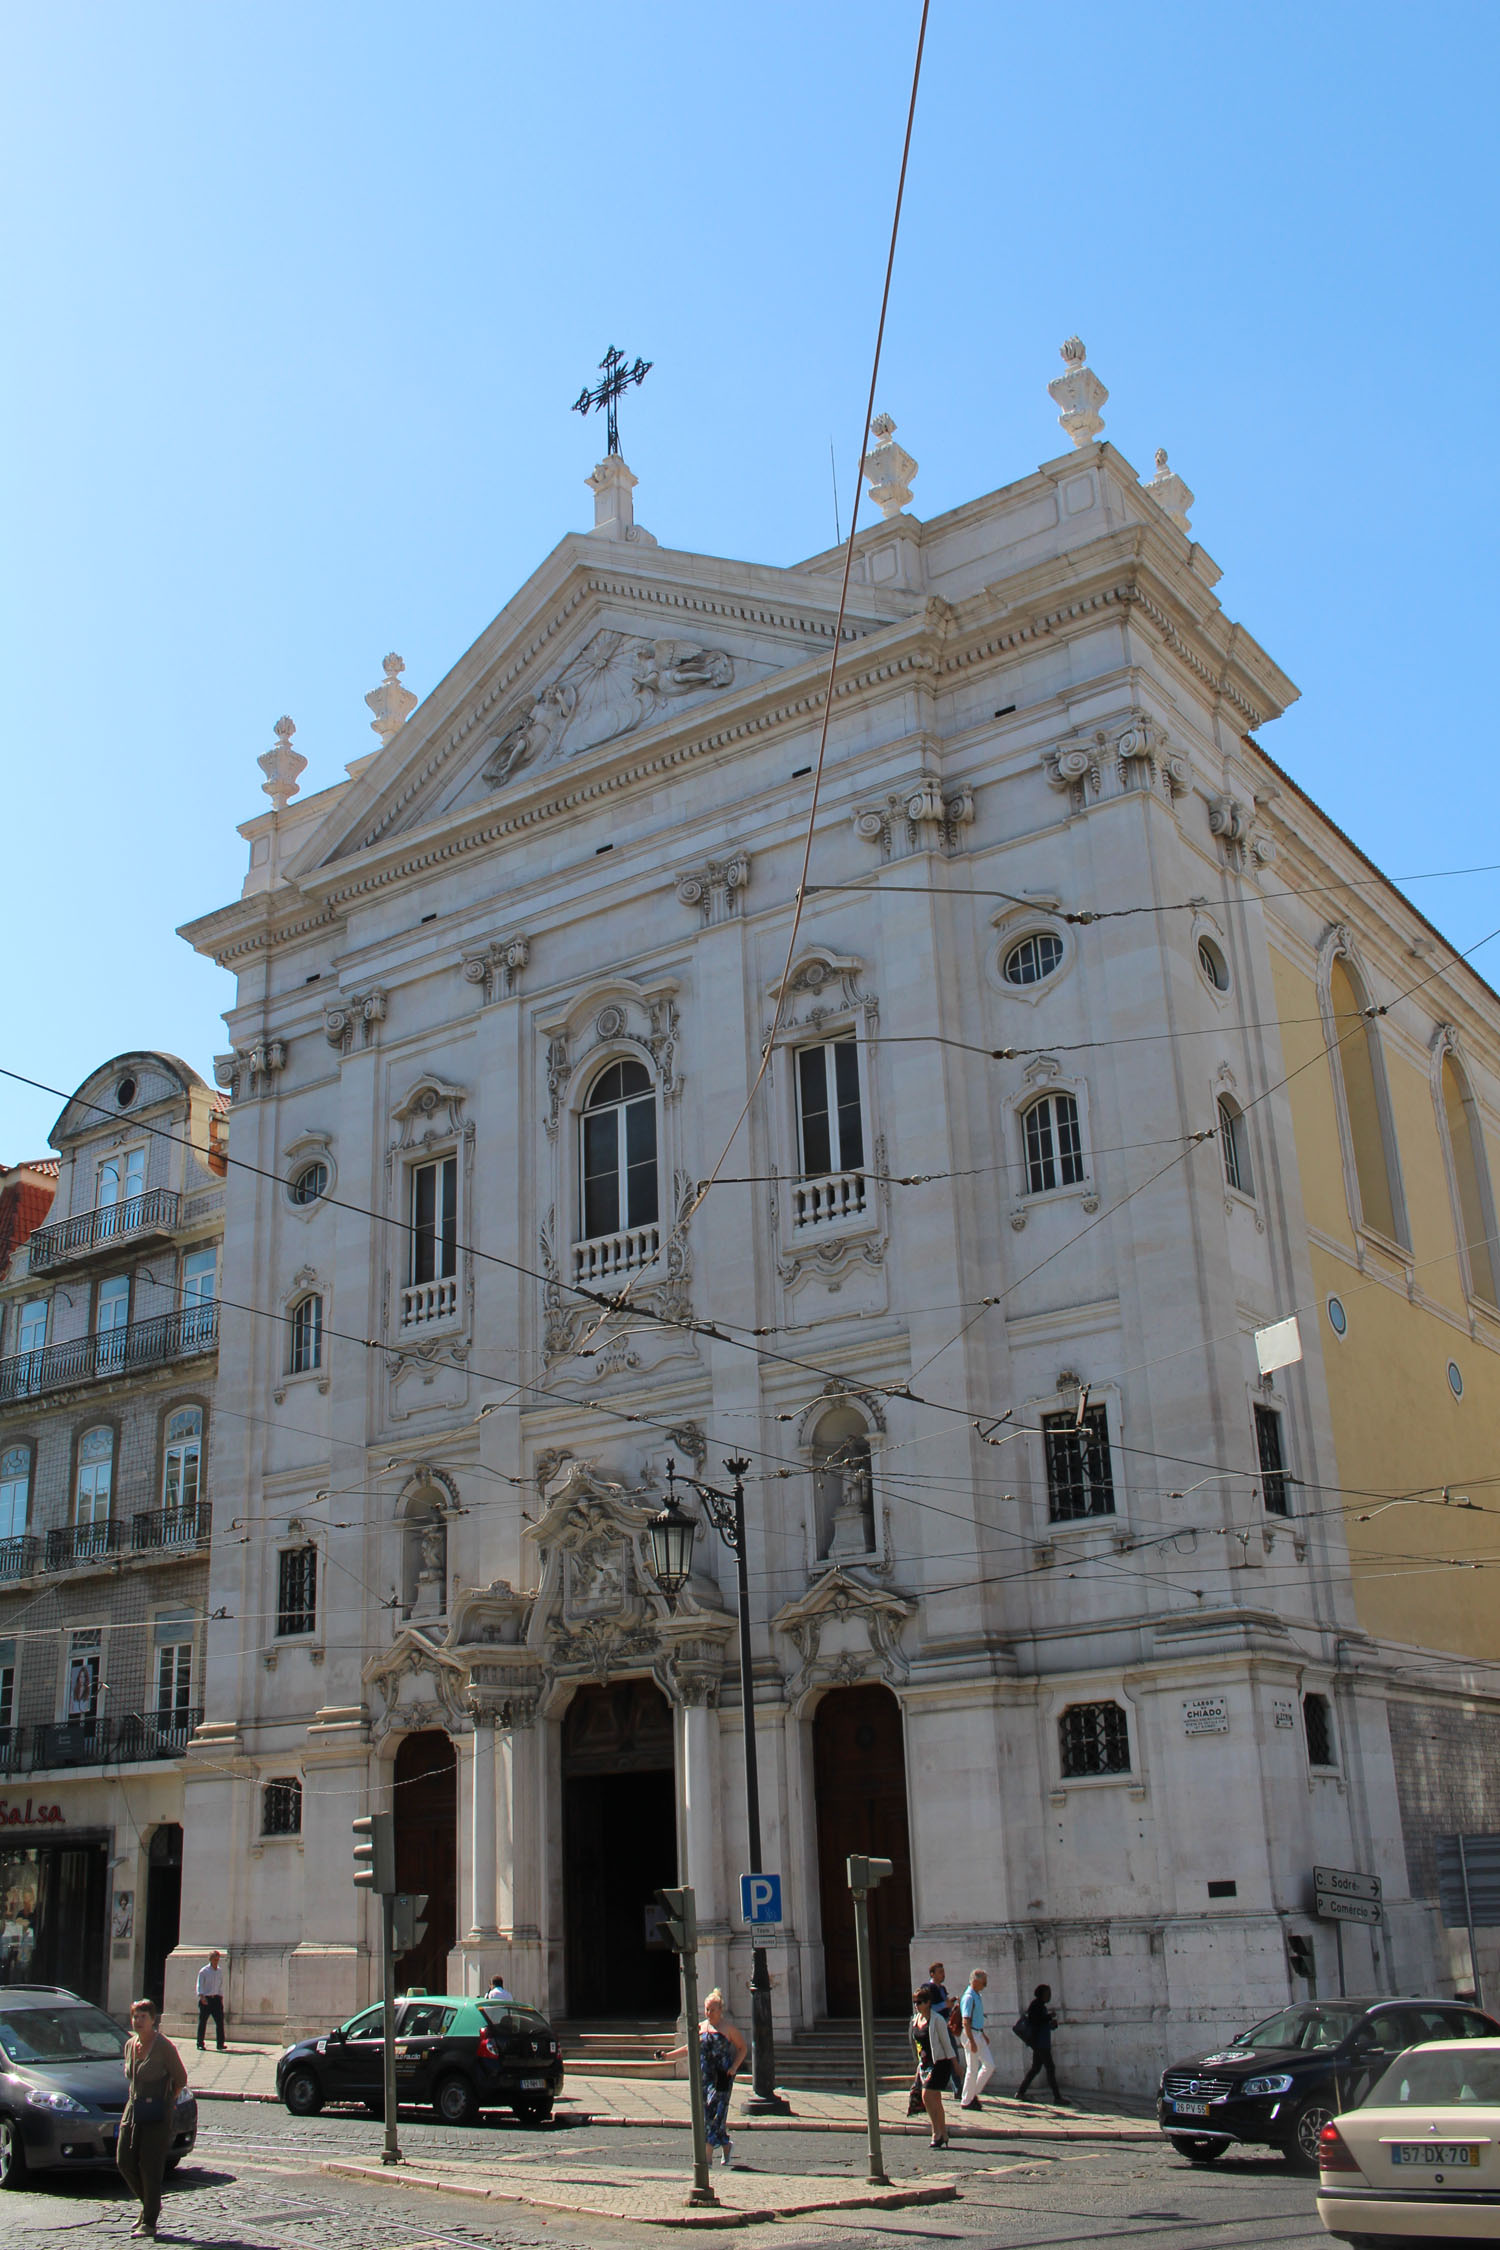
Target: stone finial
{"type": "Point", "coordinates": [612, 484]}
{"type": "Point", "coordinates": [889, 467]}
{"type": "Point", "coordinates": [1079, 393]}
{"type": "Point", "coordinates": [390, 702]}
{"type": "Point", "coordinates": [1168, 491]}
{"type": "Point", "coordinates": [281, 766]}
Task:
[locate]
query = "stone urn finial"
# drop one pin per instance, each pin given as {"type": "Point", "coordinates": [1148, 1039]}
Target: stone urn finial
{"type": "Point", "coordinates": [390, 702]}
{"type": "Point", "coordinates": [1169, 492]}
{"type": "Point", "coordinates": [281, 766]}
{"type": "Point", "coordinates": [1079, 394]}
{"type": "Point", "coordinates": [889, 467]}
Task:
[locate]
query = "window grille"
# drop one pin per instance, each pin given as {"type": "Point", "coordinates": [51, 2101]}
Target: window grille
{"type": "Point", "coordinates": [281, 1808]}
{"type": "Point", "coordinates": [1095, 1739]}
{"type": "Point", "coordinates": [1054, 1145]}
{"type": "Point", "coordinates": [1317, 1722]}
{"type": "Point", "coordinates": [297, 1589]}
{"type": "Point", "coordinates": [1275, 1484]}
{"type": "Point", "coordinates": [1080, 1481]}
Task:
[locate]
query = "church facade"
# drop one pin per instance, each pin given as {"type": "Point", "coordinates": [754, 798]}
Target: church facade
{"type": "Point", "coordinates": [554, 1157]}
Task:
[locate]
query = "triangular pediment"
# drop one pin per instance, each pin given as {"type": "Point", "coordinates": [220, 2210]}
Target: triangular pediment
{"type": "Point", "coordinates": [598, 652]}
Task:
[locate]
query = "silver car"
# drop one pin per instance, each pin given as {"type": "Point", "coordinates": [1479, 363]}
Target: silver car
{"type": "Point", "coordinates": [62, 2085]}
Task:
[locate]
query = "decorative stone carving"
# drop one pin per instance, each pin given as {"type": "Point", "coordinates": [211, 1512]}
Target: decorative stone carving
{"type": "Point", "coordinates": [922, 816]}
{"type": "Point", "coordinates": [362, 1010]}
{"type": "Point", "coordinates": [1068, 769]}
{"type": "Point", "coordinates": [646, 1018]}
{"type": "Point", "coordinates": [415, 1663]}
{"type": "Point", "coordinates": [390, 702]}
{"type": "Point", "coordinates": [613, 487]}
{"type": "Point", "coordinates": [613, 685]}
{"type": "Point", "coordinates": [498, 966]}
{"type": "Point", "coordinates": [1169, 492]}
{"type": "Point", "coordinates": [431, 1112]}
{"type": "Point", "coordinates": [889, 468]}
{"type": "Point", "coordinates": [1079, 393]}
{"type": "Point", "coordinates": [1244, 843]}
{"type": "Point", "coordinates": [860, 1623]}
{"type": "Point", "coordinates": [568, 1322]}
{"type": "Point", "coordinates": [717, 890]}
{"type": "Point", "coordinates": [281, 766]}
{"type": "Point", "coordinates": [1133, 753]}
{"type": "Point", "coordinates": [248, 1072]}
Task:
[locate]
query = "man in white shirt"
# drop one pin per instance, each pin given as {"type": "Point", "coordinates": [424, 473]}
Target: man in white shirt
{"type": "Point", "coordinates": [211, 2000]}
{"type": "Point", "coordinates": [497, 1990]}
{"type": "Point", "coordinates": [979, 2061]}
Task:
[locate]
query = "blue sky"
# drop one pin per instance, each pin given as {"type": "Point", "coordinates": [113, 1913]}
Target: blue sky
{"type": "Point", "coordinates": [299, 297]}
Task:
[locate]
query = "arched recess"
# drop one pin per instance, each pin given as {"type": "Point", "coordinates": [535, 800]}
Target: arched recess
{"type": "Point", "coordinates": [427, 1500]}
{"type": "Point", "coordinates": [843, 1490]}
{"type": "Point", "coordinates": [1462, 1130]}
{"type": "Point", "coordinates": [859, 1785]}
{"type": "Point", "coordinates": [1367, 1134]}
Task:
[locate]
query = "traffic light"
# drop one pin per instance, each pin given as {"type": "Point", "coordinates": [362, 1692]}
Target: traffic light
{"type": "Point", "coordinates": [1300, 1954]}
{"type": "Point", "coordinates": [375, 1853]}
{"type": "Point", "coordinates": [680, 1920]}
{"type": "Point", "coordinates": [865, 1873]}
{"type": "Point", "coordinates": [409, 1927]}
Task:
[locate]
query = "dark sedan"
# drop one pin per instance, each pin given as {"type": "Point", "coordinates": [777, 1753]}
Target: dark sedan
{"type": "Point", "coordinates": [62, 2085]}
{"type": "Point", "coordinates": [1280, 2083]}
{"type": "Point", "coordinates": [458, 2055]}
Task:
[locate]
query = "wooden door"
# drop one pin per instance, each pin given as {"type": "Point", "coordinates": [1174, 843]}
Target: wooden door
{"type": "Point", "coordinates": [426, 1802]}
{"type": "Point", "coordinates": [859, 1782]}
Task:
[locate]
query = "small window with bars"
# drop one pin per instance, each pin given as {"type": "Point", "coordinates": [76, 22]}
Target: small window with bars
{"type": "Point", "coordinates": [1095, 1739]}
{"type": "Point", "coordinates": [297, 1590]}
{"type": "Point", "coordinates": [281, 1808]}
{"type": "Point", "coordinates": [1317, 1725]}
{"type": "Point", "coordinates": [1080, 1481]}
{"type": "Point", "coordinates": [1275, 1483]}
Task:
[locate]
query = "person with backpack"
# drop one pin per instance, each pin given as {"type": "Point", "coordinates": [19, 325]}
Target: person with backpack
{"type": "Point", "coordinates": [1036, 2026]}
{"type": "Point", "coordinates": [978, 2061]}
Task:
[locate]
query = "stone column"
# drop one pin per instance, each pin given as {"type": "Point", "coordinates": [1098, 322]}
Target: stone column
{"type": "Point", "coordinates": [482, 1925]}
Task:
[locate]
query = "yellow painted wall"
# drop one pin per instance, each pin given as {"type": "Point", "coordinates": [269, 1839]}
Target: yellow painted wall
{"type": "Point", "coordinates": [1397, 1427]}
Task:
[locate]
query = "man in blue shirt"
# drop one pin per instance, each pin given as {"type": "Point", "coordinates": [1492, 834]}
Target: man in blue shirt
{"type": "Point", "coordinates": [979, 2063]}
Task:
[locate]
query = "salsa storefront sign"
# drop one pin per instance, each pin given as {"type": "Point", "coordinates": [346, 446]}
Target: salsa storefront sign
{"type": "Point", "coordinates": [16, 1814]}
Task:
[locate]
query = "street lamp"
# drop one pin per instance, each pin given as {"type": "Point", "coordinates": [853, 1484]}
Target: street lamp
{"type": "Point", "coordinates": [671, 1532]}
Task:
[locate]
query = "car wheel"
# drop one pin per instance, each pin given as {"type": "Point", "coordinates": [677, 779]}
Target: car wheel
{"type": "Point", "coordinates": [12, 2154]}
{"type": "Point", "coordinates": [455, 2101]}
{"type": "Point", "coordinates": [1198, 2148]}
{"type": "Point", "coordinates": [534, 2113]}
{"type": "Point", "coordinates": [1302, 2152]}
{"type": "Point", "coordinates": [302, 2093]}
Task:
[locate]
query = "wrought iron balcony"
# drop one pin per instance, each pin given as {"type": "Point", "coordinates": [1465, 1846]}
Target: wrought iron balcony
{"type": "Point", "coordinates": [18, 1556]}
{"type": "Point", "coordinates": [77, 1543]}
{"type": "Point", "coordinates": [118, 1351]}
{"type": "Point", "coordinates": [172, 1530]}
{"type": "Point", "coordinates": [132, 1740]}
{"type": "Point", "coordinates": [89, 1232]}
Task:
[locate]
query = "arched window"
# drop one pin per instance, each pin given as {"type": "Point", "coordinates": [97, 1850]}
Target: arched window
{"type": "Point", "coordinates": [1471, 1179]}
{"type": "Point", "coordinates": [15, 1490]}
{"type": "Point", "coordinates": [307, 1335]}
{"type": "Point", "coordinates": [618, 1152]}
{"type": "Point", "coordinates": [1054, 1145]}
{"type": "Point", "coordinates": [96, 1462]}
{"type": "Point", "coordinates": [844, 1503]}
{"type": "Point", "coordinates": [1355, 1056]}
{"type": "Point", "coordinates": [1234, 1140]}
{"type": "Point", "coordinates": [182, 1461]}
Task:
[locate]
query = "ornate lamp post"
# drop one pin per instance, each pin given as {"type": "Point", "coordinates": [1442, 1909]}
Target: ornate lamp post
{"type": "Point", "coordinates": [671, 1533]}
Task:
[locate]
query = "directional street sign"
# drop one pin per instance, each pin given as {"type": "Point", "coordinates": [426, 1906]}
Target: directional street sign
{"type": "Point", "coordinates": [760, 1899]}
{"type": "Point", "coordinates": [1343, 1884]}
{"type": "Point", "coordinates": [1329, 1907]}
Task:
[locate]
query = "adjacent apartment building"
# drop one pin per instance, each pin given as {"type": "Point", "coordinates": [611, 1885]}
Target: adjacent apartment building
{"type": "Point", "coordinates": [108, 1352]}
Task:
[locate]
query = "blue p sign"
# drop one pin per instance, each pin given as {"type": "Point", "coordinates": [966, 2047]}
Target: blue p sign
{"type": "Point", "coordinates": [760, 1899]}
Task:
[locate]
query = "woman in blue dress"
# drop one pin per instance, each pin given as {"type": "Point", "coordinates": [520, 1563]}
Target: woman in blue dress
{"type": "Point", "coordinates": [721, 2051]}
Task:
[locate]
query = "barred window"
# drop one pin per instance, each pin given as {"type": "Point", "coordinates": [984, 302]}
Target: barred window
{"type": "Point", "coordinates": [297, 1590]}
{"type": "Point", "coordinates": [1095, 1739]}
{"type": "Point", "coordinates": [1079, 1479]}
{"type": "Point", "coordinates": [281, 1808]}
{"type": "Point", "coordinates": [1317, 1722]}
{"type": "Point", "coordinates": [1275, 1484]}
{"type": "Point", "coordinates": [1054, 1145]}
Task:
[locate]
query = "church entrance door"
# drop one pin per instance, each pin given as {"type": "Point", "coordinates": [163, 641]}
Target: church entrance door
{"type": "Point", "coordinates": [859, 1781]}
{"type": "Point", "coordinates": [425, 1797]}
{"type": "Point", "coordinates": [619, 1849]}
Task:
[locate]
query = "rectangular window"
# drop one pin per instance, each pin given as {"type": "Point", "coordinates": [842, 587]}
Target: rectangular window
{"type": "Point", "coordinates": [828, 1108]}
{"type": "Point", "coordinates": [7, 1693]}
{"type": "Point", "coordinates": [1054, 1144]}
{"type": "Point", "coordinates": [182, 1464]}
{"type": "Point", "coordinates": [307, 1335]}
{"type": "Point", "coordinates": [1317, 1721]}
{"type": "Point", "coordinates": [111, 1318]}
{"type": "Point", "coordinates": [85, 1655]}
{"type": "Point", "coordinates": [15, 1490]}
{"type": "Point", "coordinates": [32, 1331]}
{"type": "Point", "coordinates": [122, 1183]}
{"type": "Point", "coordinates": [199, 1273]}
{"type": "Point", "coordinates": [281, 1809]}
{"type": "Point", "coordinates": [1275, 1484]}
{"type": "Point", "coordinates": [1095, 1739]}
{"type": "Point", "coordinates": [297, 1590]}
{"type": "Point", "coordinates": [91, 1496]}
{"type": "Point", "coordinates": [174, 1683]}
{"type": "Point", "coordinates": [1080, 1481]}
{"type": "Point", "coordinates": [434, 1220]}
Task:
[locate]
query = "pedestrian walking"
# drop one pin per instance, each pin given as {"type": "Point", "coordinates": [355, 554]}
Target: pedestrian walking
{"type": "Point", "coordinates": [935, 2057]}
{"type": "Point", "coordinates": [211, 2000]}
{"type": "Point", "coordinates": [977, 2058]}
{"type": "Point", "coordinates": [935, 1976]}
{"type": "Point", "coordinates": [155, 2075]}
{"type": "Point", "coordinates": [1036, 2026]}
{"type": "Point", "coordinates": [721, 2051]}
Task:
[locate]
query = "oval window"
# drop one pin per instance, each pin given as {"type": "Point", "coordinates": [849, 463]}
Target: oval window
{"type": "Point", "coordinates": [1455, 1378]}
{"type": "Point", "coordinates": [1032, 958]}
{"type": "Point", "coordinates": [1338, 1319]}
{"type": "Point", "coordinates": [310, 1183]}
{"type": "Point", "coordinates": [125, 1092]}
{"type": "Point", "coordinates": [1213, 964]}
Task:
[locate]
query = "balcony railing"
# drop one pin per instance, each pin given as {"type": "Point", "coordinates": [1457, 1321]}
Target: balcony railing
{"type": "Point", "coordinates": [155, 1212]}
{"type": "Point", "coordinates": [171, 1530]}
{"type": "Point", "coordinates": [76, 1543]}
{"type": "Point", "coordinates": [18, 1556]}
{"type": "Point", "coordinates": [118, 1351]}
{"type": "Point", "coordinates": [98, 1742]}
{"type": "Point", "coordinates": [427, 1301]}
{"type": "Point", "coordinates": [818, 1203]}
{"type": "Point", "coordinates": [609, 1256]}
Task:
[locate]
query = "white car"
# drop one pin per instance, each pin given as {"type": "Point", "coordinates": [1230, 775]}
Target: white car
{"type": "Point", "coordinates": [1420, 2156]}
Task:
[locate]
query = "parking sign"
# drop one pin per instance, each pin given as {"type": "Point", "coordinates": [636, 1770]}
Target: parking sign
{"type": "Point", "coordinates": [760, 1899]}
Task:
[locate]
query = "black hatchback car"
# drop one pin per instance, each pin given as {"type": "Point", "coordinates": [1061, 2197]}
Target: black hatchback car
{"type": "Point", "coordinates": [458, 2055]}
{"type": "Point", "coordinates": [62, 2085]}
{"type": "Point", "coordinates": [1280, 2083]}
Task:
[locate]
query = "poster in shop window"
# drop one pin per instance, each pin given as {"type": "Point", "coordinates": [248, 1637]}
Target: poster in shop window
{"type": "Point", "coordinates": [20, 1894]}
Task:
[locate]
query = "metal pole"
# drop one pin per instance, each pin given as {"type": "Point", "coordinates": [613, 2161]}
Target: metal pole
{"type": "Point", "coordinates": [1338, 1939]}
{"type": "Point", "coordinates": [391, 2153]}
{"type": "Point", "coordinates": [764, 2100]}
{"type": "Point", "coordinates": [701, 2191]}
{"type": "Point", "coordinates": [1474, 1976]}
{"type": "Point", "coordinates": [877, 2172]}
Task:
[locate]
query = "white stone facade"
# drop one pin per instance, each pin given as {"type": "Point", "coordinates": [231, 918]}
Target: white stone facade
{"type": "Point", "coordinates": [581, 851]}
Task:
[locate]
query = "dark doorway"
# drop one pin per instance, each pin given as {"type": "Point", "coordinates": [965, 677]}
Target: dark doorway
{"type": "Point", "coordinates": [859, 1781]}
{"type": "Point", "coordinates": [163, 1906]}
{"type": "Point", "coordinates": [425, 1797]}
{"type": "Point", "coordinates": [55, 1900]}
{"type": "Point", "coordinates": [619, 1849]}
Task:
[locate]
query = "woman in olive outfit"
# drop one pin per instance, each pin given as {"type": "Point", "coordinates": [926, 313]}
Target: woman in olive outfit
{"type": "Point", "coordinates": [155, 2074]}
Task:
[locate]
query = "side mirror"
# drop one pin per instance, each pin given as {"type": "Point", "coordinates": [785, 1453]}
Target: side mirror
{"type": "Point", "coordinates": [337, 2037]}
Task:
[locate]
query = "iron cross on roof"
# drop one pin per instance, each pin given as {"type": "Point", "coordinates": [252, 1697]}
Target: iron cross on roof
{"type": "Point", "coordinates": [617, 377]}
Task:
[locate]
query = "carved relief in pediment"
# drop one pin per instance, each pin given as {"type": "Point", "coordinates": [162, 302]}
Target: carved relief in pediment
{"type": "Point", "coordinates": [614, 684]}
{"type": "Point", "coordinates": [846, 1629]}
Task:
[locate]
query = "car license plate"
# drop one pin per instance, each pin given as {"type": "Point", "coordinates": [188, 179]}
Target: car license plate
{"type": "Point", "coordinates": [533, 2085]}
{"type": "Point", "coordinates": [1459, 2156]}
{"type": "Point", "coordinates": [1191, 2109]}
